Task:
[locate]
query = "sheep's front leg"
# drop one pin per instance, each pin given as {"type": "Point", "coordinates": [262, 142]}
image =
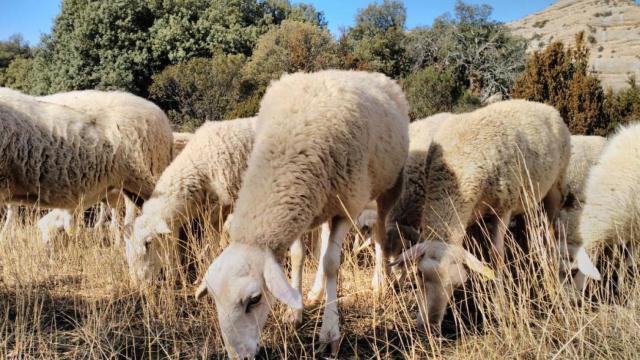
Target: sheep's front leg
{"type": "Point", "coordinates": [10, 217]}
{"type": "Point", "coordinates": [297, 264]}
{"type": "Point", "coordinates": [317, 290]}
{"type": "Point", "coordinates": [330, 330]}
{"type": "Point", "coordinates": [500, 229]}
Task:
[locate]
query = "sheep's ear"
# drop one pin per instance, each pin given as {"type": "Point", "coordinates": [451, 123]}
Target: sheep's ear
{"type": "Point", "coordinates": [412, 254]}
{"type": "Point", "coordinates": [201, 291]}
{"type": "Point", "coordinates": [278, 284]}
{"type": "Point", "coordinates": [586, 266]}
{"type": "Point", "coordinates": [476, 265]}
{"type": "Point", "coordinates": [161, 227]}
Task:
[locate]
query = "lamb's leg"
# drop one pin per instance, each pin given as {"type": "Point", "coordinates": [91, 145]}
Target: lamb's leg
{"type": "Point", "coordinates": [385, 249]}
{"type": "Point", "coordinates": [330, 330]}
{"type": "Point", "coordinates": [297, 263]}
{"type": "Point", "coordinates": [317, 289]}
{"type": "Point", "coordinates": [130, 210]}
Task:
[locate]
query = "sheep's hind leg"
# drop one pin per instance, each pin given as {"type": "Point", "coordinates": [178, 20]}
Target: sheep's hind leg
{"type": "Point", "coordinates": [384, 248]}
{"type": "Point", "coordinates": [330, 330]}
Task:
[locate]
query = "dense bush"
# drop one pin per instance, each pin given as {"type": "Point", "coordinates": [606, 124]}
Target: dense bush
{"type": "Point", "coordinates": [292, 46]}
{"type": "Point", "coordinates": [559, 76]}
{"type": "Point", "coordinates": [430, 91]}
{"type": "Point", "coordinates": [198, 90]}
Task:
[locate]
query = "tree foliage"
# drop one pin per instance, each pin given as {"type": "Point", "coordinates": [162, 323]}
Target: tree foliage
{"type": "Point", "coordinates": [485, 55]}
{"type": "Point", "coordinates": [376, 40]}
{"type": "Point", "coordinates": [121, 44]}
{"type": "Point", "coordinates": [559, 76]}
{"type": "Point", "coordinates": [198, 90]}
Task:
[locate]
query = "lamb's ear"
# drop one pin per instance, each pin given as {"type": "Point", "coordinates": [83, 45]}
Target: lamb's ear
{"type": "Point", "coordinates": [202, 290]}
{"type": "Point", "coordinates": [412, 254]}
{"type": "Point", "coordinates": [586, 266]}
{"type": "Point", "coordinates": [476, 265]}
{"type": "Point", "coordinates": [278, 284]}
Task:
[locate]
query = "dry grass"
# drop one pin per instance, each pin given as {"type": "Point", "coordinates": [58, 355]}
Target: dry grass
{"type": "Point", "coordinates": [76, 302]}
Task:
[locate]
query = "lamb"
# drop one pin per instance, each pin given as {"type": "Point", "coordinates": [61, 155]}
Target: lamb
{"type": "Point", "coordinates": [320, 156]}
{"type": "Point", "coordinates": [585, 151]}
{"type": "Point", "coordinates": [611, 212]}
{"type": "Point", "coordinates": [67, 150]}
{"type": "Point", "coordinates": [206, 174]}
{"type": "Point", "coordinates": [483, 164]}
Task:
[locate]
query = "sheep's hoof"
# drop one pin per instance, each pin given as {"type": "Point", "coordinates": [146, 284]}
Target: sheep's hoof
{"type": "Point", "coordinates": [314, 297]}
{"type": "Point", "coordinates": [334, 346]}
{"type": "Point", "coordinates": [293, 317]}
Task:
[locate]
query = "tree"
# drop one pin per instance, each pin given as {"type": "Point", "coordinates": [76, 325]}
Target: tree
{"type": "Point", "coordinates": [12, 48]}
{"type": "Point", "coordinates": [485, 55]}
{"type": "Point", "coordinates": [198, 90]}
{"type": "Point", "coordinates": [18, 74]}
{"type": "Point", "coordinates": [430, 91]}
{"type": "Point", "coordinates": [376, 40]}
{"type": "Point", "coordinates": [291, 47]}
{"type": "Point", "coordinates": [560, 77]}
{"type": "Point", "coordinates": [121, 44]}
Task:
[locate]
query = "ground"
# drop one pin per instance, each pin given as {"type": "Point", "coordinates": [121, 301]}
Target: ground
{"type": "Point", "coordinates": [75, 301]}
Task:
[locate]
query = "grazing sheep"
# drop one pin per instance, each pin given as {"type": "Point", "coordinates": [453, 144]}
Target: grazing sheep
{"type": "Point", "coordinates": [611, 212]}
{"type": "Point", "coordinates": [67, 150]}
{"type": "Point", "coordinates": [483, 164]}
{"type": "Point", "coordinates": [320, 156]}
{"type": "Point", "coordinates": [406, 215]}
{"type": "Point", "coordinates": [206, 174]}
{"type": "Point", "coordinates": [585, 151]}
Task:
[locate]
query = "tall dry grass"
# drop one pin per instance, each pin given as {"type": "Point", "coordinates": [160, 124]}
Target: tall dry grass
{"type": "Point", "coordinates": [75, 301]}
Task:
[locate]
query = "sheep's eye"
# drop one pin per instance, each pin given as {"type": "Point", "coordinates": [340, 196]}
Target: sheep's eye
{"type": "Point", "coordinates": [147, 245]}
{"type": "Point", "coordinates": [252, 301]}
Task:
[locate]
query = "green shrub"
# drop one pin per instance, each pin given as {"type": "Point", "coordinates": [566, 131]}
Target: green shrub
{"type": "Point", "coordinates": [198, 90]}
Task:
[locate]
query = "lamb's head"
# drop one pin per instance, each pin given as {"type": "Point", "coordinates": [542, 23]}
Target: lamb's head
{"type": "Point", "coordinates": [441, 268]}
{"type": "Point", "coordinates": [574, 257]}
{"type": "Point", "coordinates": [243, 281]}
{"type": "Point", "coordinates": [144, 248]}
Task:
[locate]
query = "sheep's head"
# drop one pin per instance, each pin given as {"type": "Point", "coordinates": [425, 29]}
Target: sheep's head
{"type": "Point", "coordinates": [574, 257]}
{"type": "Point", "coordinates": [400, 237]}
{"type": "Point", "coordinates": [243, 281]}
{"type": "Point", "coordinates": [144, 248]}
{"type": "Point", "coordinates": [442, 267]}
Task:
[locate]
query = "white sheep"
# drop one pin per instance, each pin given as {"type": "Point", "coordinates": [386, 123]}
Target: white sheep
{"type": "Point", "coordinates": [206, 174]}
{"type": "Point", "coordinates": [67, 150]}
{"type": "Point", "coordinates": [327, 143]}
{"type": "Point", "coordinates": [611, 212]}
{"type": "Point", "coordinates": [483, 164]}
{"type": "Point", "coordinates": [585, 151]}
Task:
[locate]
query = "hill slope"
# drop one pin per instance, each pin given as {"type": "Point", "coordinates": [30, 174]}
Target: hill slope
{"type": "Point", "coordinates": [612, 28]}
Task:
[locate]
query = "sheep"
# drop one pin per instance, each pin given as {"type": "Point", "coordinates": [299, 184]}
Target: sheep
{"type": "Point", "coordinates": [67, 150]}
{"type": "Point", "coordinates": [320, 156]}
{"type": "Point", "coordinates": [406, 215]}
{"type": "Point", "coordinates": [479, 164]}
{"type": "Point", "coordinates": [207, 173]}
{"type": "Point", "coordinates": [611, 211]}
{"type": "Point", "coordinates": [585, 151]}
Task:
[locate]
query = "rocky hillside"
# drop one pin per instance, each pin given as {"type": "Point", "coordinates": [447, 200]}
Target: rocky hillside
{"type": "Point", "coordinates": [612, 29]}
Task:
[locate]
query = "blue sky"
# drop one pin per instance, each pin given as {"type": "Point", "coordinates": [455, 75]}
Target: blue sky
{"type": "Point", "coordinates": [32, 18]}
